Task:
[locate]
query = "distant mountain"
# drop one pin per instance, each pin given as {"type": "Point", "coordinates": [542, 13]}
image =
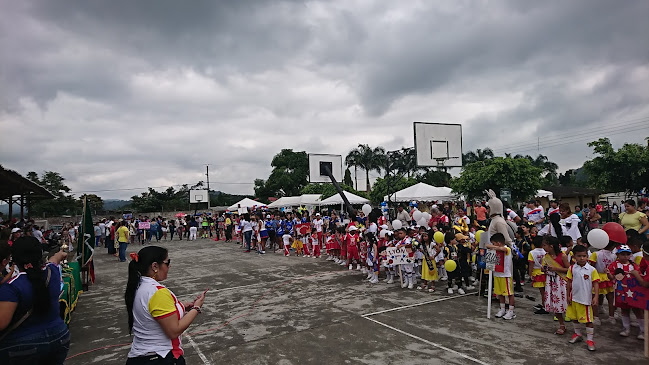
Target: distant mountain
{"type": "Point", "coordinates": [115, 204]}
{"type": "Point", "coordinates": [4, 209]}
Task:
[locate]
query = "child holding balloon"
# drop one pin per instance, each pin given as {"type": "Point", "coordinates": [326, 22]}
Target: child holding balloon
{"type": "Point", "coordinates": [606, 242]}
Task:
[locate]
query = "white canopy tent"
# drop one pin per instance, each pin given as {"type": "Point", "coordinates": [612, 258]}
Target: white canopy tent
{"type": "Point", "coordinates": [337, 199]}
{"type": "Point", "coordinates": [423, 192]}
{"type": "Point", "coordinates": [310, 199]}
{"type": "Point", "coordinates": [246, 203]}
{"type": "Point", "coordinates": [544, 194]}
{"type": "Point", "coordinates": [285, 201]}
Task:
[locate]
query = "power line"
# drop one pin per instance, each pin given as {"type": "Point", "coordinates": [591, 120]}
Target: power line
{"type": "Point", "coordinates": [153, 187]}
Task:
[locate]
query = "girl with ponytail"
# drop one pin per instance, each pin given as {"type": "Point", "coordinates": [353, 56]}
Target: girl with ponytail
{"type": "Point", "coordinates": [155, 316]}
{"type": "Point", "coordinates": [29, 308]}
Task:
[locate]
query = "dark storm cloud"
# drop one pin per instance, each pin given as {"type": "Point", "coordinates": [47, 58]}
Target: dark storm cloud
{"type": "Point", "coordinates": [117, 94]}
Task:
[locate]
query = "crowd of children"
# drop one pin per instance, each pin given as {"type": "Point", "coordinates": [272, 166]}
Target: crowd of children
{"type": "Point", "coordinates": [573, 281]}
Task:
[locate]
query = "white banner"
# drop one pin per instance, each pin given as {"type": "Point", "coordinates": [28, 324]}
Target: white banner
{"type": "Point", "coordinates": [397, 256]}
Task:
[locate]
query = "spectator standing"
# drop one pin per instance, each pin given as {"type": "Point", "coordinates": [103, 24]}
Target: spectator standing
{"type": "Point", "coordinates": [123, 234]}
{"type": "Point", "coordinates": [480, 214]}
{"type": "Point", "coordinates": [634, 219]}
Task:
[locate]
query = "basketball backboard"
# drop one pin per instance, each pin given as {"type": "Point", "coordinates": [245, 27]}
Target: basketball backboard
{"type": "Point", "coordinates": [317, 163]}
{"type": "Point", "coordinates": [438, 144]}
{"type": "Point", "coordinates": [197, 196]}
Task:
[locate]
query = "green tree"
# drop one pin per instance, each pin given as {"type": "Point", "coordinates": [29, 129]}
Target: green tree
{"type": "Point", "coordinates": [367, 158]}
{"type": "Point", "coordinates": [435, 178]}
{"type": "Point", "coordinates": [94, 202]}
{"type": "Point", "coordinates": [515, 174]}
{"type": "Point", "coordinates": [549, 169]}
{"type": "Point", "coordinates": [477, 156]}
{"type": "Point", "coordinates": [290, 174]}
{"type": "Point", "coordinates": [395, 184]}
{"type": "Point", "coordinates": [621, 170]}
{"type": "Point", "coordinates": [347, 180]}
{"type": "Point", "coordinates": [62, 204]}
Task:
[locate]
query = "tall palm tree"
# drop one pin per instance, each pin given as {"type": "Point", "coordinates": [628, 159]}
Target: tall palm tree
{"type": "Point", "coordinates": [478, 155]}
{"type": "Point", "coordinates": [368, 159]}
{"type": "Point", "coordinates": [549, 168]}
{"type": "Point", "coordinates": [352, 160]}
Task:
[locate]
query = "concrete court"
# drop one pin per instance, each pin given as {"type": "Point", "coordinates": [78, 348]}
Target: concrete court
{"type": "Point", "coordinates": [269, 309]}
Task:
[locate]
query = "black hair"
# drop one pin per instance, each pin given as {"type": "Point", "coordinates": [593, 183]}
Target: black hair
{"type": "Point", "coordinates": [579, 249]}
{"type": "Point", "coordinates": [498, 237]}
{"type": "Point", "coordinates": [138, 268]}
{"type": "Point", "coordinates": [634, 238]}
{"type": "Point", "coordinates": [556, 226]}
{"type": "Point", "coordinates": [537, 241]}
{"type": "Point", "coordinates": [631, 202]}
{"type": "Point", "coordinates": [554, 242]}
{"type": "Point", "coordinates": [565, 240]}
{"type": "Point", "coordinates": [5, 250]}
{"type": "Point", "coordinates": [27, 250]}
{"type": "Point", "coordinates": [448, 237]}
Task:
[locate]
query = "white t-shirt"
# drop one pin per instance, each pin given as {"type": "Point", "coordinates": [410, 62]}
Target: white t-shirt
{"type": "Point", "coordinates": [245, 225]}
{"type": "Point", "coordinates": [571, 227]}
{"type": "Point", "coordinates": [287, 239]}
{"type": "Point", "coordinates": [552, 211]}
{"type": "Point", "coordinates": [537, 255]}
{"type": "Point", "coordinates": [582, 283]}
{"type": "Point", "coordinates": [318, 224]}
{"type": "Point", "coordinates": [511, 215]}
{"type": "Point", "coordinates": [373, 228]}
{"type": "Point", "coordinates": [507, 272]}
{"type": "Point", "coordinates": [535, 215]}
{"type": "Point", "coordinates": [102, 229]}
{"type": "Point", "coordinates": [38, 235]}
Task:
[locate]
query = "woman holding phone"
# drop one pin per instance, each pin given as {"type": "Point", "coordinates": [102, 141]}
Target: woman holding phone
{"type": "Point", "coordinates": [155, 316]}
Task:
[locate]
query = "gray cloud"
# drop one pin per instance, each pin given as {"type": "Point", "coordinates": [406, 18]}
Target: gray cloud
{"type": "Point", "coordinates": [126, 94]}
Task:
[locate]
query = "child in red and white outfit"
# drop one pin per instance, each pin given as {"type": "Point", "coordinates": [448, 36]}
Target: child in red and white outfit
{"type": "Point", "coordinates": [318, 225]}
{"type": "Point", "coordinates": [352, 240]}
{"type": "Point", "coordinates": [287, 239]}
{"type": "Point", "coordinates": [601, 260]}
{"type": "Point", "coordinates": [315, 243]}
{"type": "Point", "coordinates": [616, 272]}
{"type": "Point", "coordinates": [406, 242]}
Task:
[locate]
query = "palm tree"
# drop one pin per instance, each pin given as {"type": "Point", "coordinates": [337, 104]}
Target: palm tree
{"type": "Point", "coordinates": [478, 155]}
{"type": "Point", "coordinates": [549, 168]}
{"type": "Point", "coordinates": [368, 159]}
{"type": "Point", "coordinates": [352, 160]}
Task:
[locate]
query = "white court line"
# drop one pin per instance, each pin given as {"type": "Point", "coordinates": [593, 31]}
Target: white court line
{"type": "Point", "coordinates": [415, 305]}
{"type": "Point", "coordinates": [198, 351]}
{"type": "Point", "coordinates": [428, 342]}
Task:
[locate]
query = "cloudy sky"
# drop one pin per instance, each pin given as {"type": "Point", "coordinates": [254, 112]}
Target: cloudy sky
{"type": "Point", "coordinates": [125, 94]}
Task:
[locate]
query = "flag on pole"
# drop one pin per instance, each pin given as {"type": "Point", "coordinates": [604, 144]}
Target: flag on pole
{"type": "Point", "coordinates": [86, 241]}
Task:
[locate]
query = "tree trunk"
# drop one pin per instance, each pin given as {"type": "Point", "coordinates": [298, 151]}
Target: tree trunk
{"type": "Point", "coordinates": [367, 177]}
{"type": "Point", "coordinates": [356, 177]}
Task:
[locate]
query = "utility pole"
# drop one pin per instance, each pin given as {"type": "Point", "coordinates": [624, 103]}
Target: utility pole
{"type": "Point", "coordinates": [207, 174]}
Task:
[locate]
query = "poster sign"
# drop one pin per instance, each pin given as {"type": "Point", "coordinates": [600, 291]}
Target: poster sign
{"type": "Point", "coordinates": [242, 210]}
{"type": "Point", "coordinates": [397, 256]}
{"type": "Point", "coordinates": [495, 260]}
{"type": "Point", "coordinates": [144, 225]}
{"type": "Point", "coordinates": [629, 291]}
{"type": "Point", "coordinates": [303, 228]}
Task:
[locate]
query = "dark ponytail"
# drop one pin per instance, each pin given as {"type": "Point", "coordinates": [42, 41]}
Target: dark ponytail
{"type": "Point", "coordinates": [555, 218]}
{"type": "Point", "coordinates": [26, 252]}
{"type": "Point", "coordinates": [138, 267]}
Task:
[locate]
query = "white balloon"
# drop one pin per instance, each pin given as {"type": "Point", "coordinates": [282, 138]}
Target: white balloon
{"type": "Point", "coordinates": [397, 224]}
{"type": "Point", "coordinates": [367, 209]}
{"type": "Point", "coordinates": [416, 215]}
{"type": "Point", "coordinates": [382, 233]}
{"type": "Point", "coordinates": [427, 216]}
{"type": "Point", "coordinates": [423, 222]}
{"type": "Point", "coordinates": [598, 238]}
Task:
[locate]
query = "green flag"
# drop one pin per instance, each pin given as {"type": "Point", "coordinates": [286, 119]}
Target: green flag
{"type": "Point", "coordinates": [86, 242]}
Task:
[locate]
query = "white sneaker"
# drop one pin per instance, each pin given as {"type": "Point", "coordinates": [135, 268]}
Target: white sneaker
{"type": "Point", "coordinates": [641, 336]}
{"type": "Point", "coordinates": [350, 267]}
{"type": "Point", "coordinates": [510, 315]}
{"type": "Point", "coordinates": [374, 281]}
{"type": "Point", "coordinates": [405, 284]}
{"type": "Point", "coordinates": [597, 321]}
{"type": "Point", "coordinates": [500, 313]}
{"type": "Point", "coordinates": [470, 287]}
{"type": "Point", "coordinates": [450, 290]}
{"type": "Point", "coordinates": [358, 267]}
{"type": "Point", "coordinates": [460, 291]}
{"type": "Point", "coordinates": [411, 285]}
{"type": "Point", "coordinates": [364, 271]}
{"type": "Point", "coordinates": [625, 332]}
{"type": "Point", "coordinates": [390, 280]}
{"type": "Point", "coordinates": [444, 278]}
{"type": "Point", "coordinates": [343, 263]}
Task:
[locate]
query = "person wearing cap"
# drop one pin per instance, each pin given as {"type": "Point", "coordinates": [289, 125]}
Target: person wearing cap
{"type": "Point", "coordinates": [16, 233]}
{"type": "Point", "coordinates": [31, 329]}
{"type": "Point", "coordinates": [616, 273]}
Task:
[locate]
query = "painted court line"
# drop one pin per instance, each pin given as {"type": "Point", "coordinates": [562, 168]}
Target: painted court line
{"type": "Point", "coordinates": [198, 351]}
{"type": "Point", "coordinates": [416, 305]}
{"type": "Point", "coordinates": [428, 342]}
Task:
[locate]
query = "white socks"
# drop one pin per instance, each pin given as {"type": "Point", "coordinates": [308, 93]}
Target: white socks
{"type": "Point", "coordinates": [590, 331]}
{"type": "Point", "coordinates": [626, 322]}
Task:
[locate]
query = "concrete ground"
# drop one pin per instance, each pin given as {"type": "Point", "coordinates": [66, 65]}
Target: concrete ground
{"type": "Point", "coordinates": [269, 309]}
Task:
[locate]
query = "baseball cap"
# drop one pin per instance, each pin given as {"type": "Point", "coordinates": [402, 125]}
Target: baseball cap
{"type": "Point", "coordinates": [624, 248]}
{"type": "Point", "coordinates": [384, 226]}
{"type": "Point", "coordinates": [317, 214]}
{"type": "Point", "coordinates": [460, 236]}
{"type": "Point", "coordinates": [268, 216]}
{"type": "Point", "coordinates": [353, 228]}
{"type": "Point", "coordinates": [14, 230]}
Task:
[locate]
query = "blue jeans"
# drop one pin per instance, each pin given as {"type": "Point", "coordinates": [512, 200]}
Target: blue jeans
{"type": "Point", "coordinates": [45, 347]}
{"type": "Point", "coordinates": [248, 238]}
{"type": "Point", "coordinates": [122, 251]}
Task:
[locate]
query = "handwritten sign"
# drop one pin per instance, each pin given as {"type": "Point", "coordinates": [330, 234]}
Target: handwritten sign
{"type": "Point", "coordinates": [495, 260]}
{"type": "Point", "coordinates": [629, 291]}
{"type": "Point", "coordinates": [303, 229]}
{"type": "Point", "coordinates": [397, 256]}
{"type": "Point", "coordinates": [144, 225]}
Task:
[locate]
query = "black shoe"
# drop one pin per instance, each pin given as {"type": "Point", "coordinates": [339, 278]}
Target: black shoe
{"type": "Point", "coordinates": [518, 295]}
{"type": "Point", "coordinates": [518, 289]}
{"type": "Point", "coordinates": [541, 311]}
{"type": "Point", "coordinates": [531, 298]}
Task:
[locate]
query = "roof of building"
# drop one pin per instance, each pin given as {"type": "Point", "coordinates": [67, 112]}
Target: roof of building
{"type": "Point", "coordinates": [12, 184]}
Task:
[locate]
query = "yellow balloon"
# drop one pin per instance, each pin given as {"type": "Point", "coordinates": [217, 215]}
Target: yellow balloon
{"type": "Point", "coordinates": [438, 237]}
{"type": "Point", "coordinates": [478, 235]}
{"type": "Point", "coordinates": [450, 265]}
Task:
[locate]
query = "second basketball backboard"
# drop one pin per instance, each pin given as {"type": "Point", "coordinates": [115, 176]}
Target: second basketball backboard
{"type": "Point", "coordinates": [438, 144]}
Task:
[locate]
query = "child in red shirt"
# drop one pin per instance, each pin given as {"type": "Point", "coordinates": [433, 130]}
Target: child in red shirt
{"type": "Point", "coordinates": [616, 272]}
